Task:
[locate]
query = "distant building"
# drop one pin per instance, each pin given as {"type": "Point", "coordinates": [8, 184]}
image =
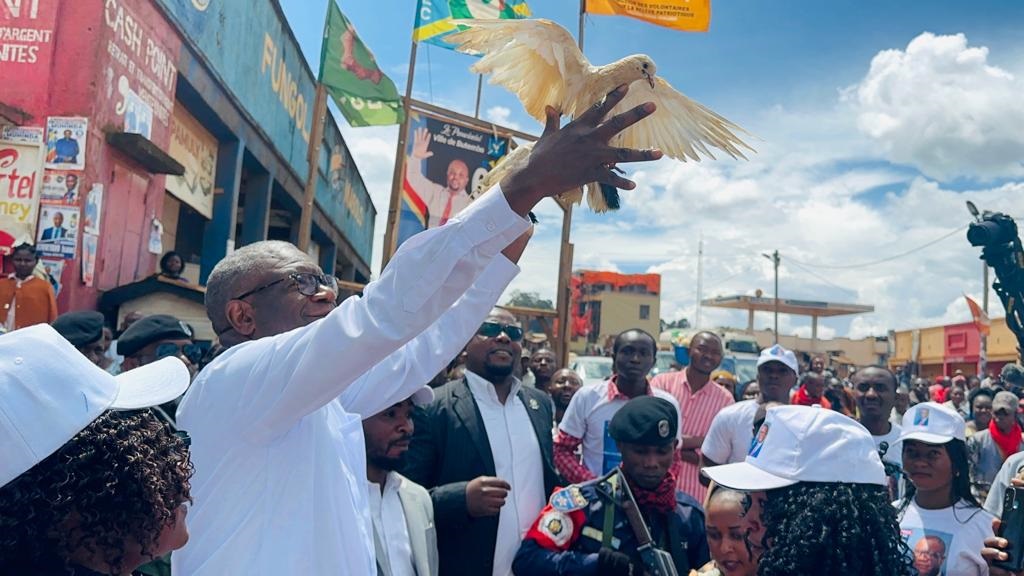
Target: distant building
{"type": "Point", "coordinates": [607, 303]}
{"type": "Point", "coordinates": [941, 350]}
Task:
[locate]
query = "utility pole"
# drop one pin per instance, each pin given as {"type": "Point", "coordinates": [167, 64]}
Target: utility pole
{"type": "Point", "coordinates": [700, 278]}
{"type": "Point", "coordinates": [774, 257]}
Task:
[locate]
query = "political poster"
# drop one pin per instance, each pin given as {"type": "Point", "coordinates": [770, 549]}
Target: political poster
{"type": "Point", "coordinates": [89, 245]}
{"type": "Point", "coordinates": [21, 176]}
{"type": "Point", "coordinates": [61, 187]}
{"type": "Point", "coordinates": [444, 162]}
{"type": "Point", "coordinates": [58, 230]}
{"type": "Point", "coordinates": [65, 142]}
{"type": "Point", "coordinates": [138, 115]}
{"type": "Point", "coordinates": [93, 209]}
{"type": "Point", "coordinates": [22, 134]}
{"type": "Point", "coordinates": [54, 268]}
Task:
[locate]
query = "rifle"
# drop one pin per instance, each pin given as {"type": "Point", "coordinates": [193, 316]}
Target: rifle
{"type": "Point", "coordinates": [657, 562]}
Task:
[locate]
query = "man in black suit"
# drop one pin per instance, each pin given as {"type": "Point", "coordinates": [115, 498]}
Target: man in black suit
{"type": "Point", "coordinates": [483, 449]}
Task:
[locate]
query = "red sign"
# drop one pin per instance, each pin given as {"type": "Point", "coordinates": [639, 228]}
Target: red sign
{"type": "Point", "coordinates": [26, 47]}
{"type": "Point", "coordinates": [21, 166]}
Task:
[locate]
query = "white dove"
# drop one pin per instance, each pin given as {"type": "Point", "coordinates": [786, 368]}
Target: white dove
{"type": "Point", "coordinates": [538, 61]}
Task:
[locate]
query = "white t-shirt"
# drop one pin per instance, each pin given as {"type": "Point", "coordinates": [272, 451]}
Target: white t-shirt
{"type": "Point", "coordinates": [894, 455]}
{"type": "Point", "coordinates": [947, 542]}
{"type": "Point", "coordinates": [587, 418]}
{"type": "Point", "coordinates": [731, 432]}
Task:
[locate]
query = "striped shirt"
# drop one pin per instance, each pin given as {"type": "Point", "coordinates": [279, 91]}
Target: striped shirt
{"type": "Point", "coordinates": [700, 409]}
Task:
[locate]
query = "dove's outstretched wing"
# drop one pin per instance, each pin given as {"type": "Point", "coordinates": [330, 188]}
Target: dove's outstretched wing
{"type": "Point", "coordinates": [681, 128]}
{"type": "Point", "coordinates": [537, 60]}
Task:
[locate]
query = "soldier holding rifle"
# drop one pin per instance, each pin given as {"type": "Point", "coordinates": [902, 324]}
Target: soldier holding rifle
{"type": "Point", "coordinates": [631, 521]}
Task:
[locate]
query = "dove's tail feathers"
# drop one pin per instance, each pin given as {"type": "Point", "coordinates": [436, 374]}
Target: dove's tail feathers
{"type": "Point", "coordinates": [602, 197]}
{"type": "Point", "coordinates": [575, 196]}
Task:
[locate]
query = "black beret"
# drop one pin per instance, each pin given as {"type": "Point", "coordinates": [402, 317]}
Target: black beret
{"type": "Point", "coordinates": [646, 420]}
{"type": "Point", "coordinates": [149, 329]}
{"type": "Point", "coordinates": [80, 328]}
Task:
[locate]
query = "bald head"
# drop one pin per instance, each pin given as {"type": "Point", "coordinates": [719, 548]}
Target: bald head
{"type": "Point", "coordinates": [241, 271]}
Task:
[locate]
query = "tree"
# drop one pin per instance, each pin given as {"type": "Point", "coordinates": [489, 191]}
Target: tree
{"type": "Point", "coordinates": [680, 324]}
{"type": "Point", "coordinates": [529, 300]}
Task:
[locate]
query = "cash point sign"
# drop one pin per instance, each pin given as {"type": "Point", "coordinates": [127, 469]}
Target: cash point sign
{"type": "Point", "coordinates": [21, 168]}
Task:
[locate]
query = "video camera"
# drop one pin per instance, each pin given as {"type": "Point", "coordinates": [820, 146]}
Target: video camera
{"type": "Point", "coordinates": [1001, 249]}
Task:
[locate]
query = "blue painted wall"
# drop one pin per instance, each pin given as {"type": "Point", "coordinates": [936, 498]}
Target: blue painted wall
{"type": "Point", "coordinates": [249, 46]}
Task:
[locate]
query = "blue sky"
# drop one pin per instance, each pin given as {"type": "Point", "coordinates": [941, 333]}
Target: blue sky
{"type": "Point", "coordinates": [875, 120]}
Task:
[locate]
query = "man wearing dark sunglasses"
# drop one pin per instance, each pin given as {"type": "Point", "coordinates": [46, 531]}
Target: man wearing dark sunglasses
{"type": "Point", "coordinates": [152, 338]}
{"type": "Point", "coordinates": [275, 419]}
{"type": "Point", "coordinates": [484, 448]}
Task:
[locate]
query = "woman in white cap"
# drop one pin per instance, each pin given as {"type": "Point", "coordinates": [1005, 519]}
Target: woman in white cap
{"type": "Point", "coordinates": [944, 525]}
{"type": "Point", "coordinates": [826, 510]}
{"type": "Point", "coordinates": [91, 482]}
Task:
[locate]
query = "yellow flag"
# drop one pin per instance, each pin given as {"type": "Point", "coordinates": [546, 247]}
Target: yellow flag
{"type": "Point", "coordinates": [688, 15]}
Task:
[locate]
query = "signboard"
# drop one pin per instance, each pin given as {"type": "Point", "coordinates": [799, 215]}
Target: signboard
{"type": "Point", "coordinates": [23, 134]}
{"type": "Point", "coordinates": [26, 48]}
{"type": "Point", "coordinates": [444, 161]}
{"type": "Point", "coordinates": [249, 47]}
{"type": "Point", "coordinates": [21, 177]}
{"type": "Point", "coordinates": [196, 149]}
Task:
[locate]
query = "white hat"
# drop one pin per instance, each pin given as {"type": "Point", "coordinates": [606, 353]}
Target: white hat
{"type": "Point", "coordinates": [423, 396]}
{"type": "Point", "coordinates": [804, 444]}
{"type": "Point", "coordinates": [49, 392]}
{"type": "Point", "coordinates": [932, 423]}
{"type": "Point", "coordinates": [778, 354]}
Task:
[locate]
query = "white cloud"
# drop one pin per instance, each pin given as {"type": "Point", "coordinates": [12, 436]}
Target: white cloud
{"type": "Point", "coordinates": [502, 116]}
{"type": "Point", "coordinates": [941, 107]}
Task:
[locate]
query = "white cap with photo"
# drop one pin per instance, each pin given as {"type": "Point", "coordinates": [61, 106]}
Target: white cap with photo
{"type": "Point", "coordinates": [804, 444]}
{"type": "Point", "coordinates": [778, 354]}
{"type": "Point", "coordinates": [49, 392]}
{"type": "Point", "coordinates": [932, 423]}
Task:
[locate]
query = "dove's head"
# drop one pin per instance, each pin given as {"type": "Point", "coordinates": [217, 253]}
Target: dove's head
{"type": "Point", "coordinates": [639, 67]}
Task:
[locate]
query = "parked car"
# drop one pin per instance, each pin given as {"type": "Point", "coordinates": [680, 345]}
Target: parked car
{"type": "Point", "coordinates": [592, 369]}
{"type": "Point", "coordinates": [664, 361]}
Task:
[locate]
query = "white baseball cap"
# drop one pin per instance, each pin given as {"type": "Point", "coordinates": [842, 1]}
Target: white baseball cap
{"type": "Point", "coordinates": [932, 423]}
{"type": "Point", "coordinates": [778, 354]}
{"type": "Point", "coordinates": [49, 392]}
{"type": "Point", "coordinates": [804, 444]}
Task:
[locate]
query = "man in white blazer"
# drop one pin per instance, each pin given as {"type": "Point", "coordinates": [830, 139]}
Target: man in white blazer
{"type": "Point", "coordinates": [404, 538]}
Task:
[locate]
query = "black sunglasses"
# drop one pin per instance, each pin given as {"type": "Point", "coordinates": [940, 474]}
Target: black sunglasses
{"type": "Point", "coordinates": [492, 329]}
{"type": "Point", "coordinates": [193, 352]}
{"type": "Point", "coordinates": [309, 284]}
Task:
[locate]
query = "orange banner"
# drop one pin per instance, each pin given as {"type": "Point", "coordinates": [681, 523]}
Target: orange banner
{"type": "Point", "coordinates": [687, 15]}
{"type": "Point", "coordinates": [981, 320]}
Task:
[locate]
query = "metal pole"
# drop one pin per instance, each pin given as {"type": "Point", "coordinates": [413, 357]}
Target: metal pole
{"type": "Point", "coordinates": [583, 12]}
{"type": "Point", "coordinates": [391, 233]}
{"type": "Point", "coordinates": [775, 257]}
{"type": "Point", "coordinates": [479, 90]}
{"type": "Point", "coordinates": [700, 278]}
{"type": "Point", "coordinates": [983, 353]}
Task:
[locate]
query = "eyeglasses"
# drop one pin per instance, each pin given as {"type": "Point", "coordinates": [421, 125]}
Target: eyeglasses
{"type": "Point", "coordinates": [308, 283]}
{"type": "Point", "coordinates": [492, 329]}
{"type": "Point", "coordinates": [1002, 412]}
{"type": "Point", "coordinates": [194, 352]}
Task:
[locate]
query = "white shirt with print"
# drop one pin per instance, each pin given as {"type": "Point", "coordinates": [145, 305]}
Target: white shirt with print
{"type": "Point", "coordinates": [962, 529]}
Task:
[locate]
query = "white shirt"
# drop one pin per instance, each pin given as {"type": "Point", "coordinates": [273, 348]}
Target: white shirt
{"type": "Point", "coordinates": [436, 196]}
{"type": "Point", "coordinates": [517, 460]}
{"type": "Point", "coordinates": [390, 526]}
{"type": "Point", "coordinates": [587, 418]}
{"type": "Point", "coordinates": [962, 530]}
{"type": "Point", "coordinates": [731, 432]}
{"type": "Point", "coordinates": [277, 442]}
{"type": "Point", "coordinates": [894, 455]}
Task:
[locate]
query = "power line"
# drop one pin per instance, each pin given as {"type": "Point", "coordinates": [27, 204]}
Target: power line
{"type": "Point", "coordinates": [881, 260]}
{"type": "Point", "coordinates": [819, 277]}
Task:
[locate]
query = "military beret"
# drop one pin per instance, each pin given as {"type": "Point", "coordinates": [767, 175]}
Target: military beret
{"type": "Point", "coordinates": [80, 328]}
{"type": "Point", "coordinates": [646, 420]}
{"type": "Point", "coordinates": [151, 329]}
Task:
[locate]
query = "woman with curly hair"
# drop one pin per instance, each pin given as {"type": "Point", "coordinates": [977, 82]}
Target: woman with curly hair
{"type": "Point", "coordinates": [944, 524]}
{"type": "Point", "coordinates": [826, 508]}
{"type": "Point", "coordinates": [91, 482]}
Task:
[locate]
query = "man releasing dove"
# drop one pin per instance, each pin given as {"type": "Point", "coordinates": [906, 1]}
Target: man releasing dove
{"type": "Point", "coordinates": [538, 61]}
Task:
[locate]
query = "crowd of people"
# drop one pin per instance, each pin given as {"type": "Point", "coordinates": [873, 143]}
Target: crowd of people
{"type": "Point", "coordinates": [408, 431]}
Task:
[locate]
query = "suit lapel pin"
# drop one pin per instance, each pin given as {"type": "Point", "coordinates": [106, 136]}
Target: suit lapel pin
{"type": "Point", "coordinates": [534, 405]}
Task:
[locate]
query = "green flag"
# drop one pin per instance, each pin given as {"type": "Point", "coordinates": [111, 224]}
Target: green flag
{"type": "Point", "coordinates": [365, 95]}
